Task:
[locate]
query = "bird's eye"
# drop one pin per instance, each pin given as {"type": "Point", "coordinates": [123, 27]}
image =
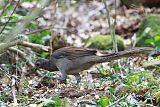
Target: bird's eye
{"type": "Point", "coordinates": [38, 64]}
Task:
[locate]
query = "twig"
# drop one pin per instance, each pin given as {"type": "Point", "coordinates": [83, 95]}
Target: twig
{"type": "Point", "coordinates": [21, 27]}
{"type": "Point", "coordinates": [5, 46]}
{"type": "Point", "coordinates": [5, 73]}
{"type": "Point", "coordinates": [43, 29]}
{"type": "Point", "coordinates": [22, 77]}
{"type": "Point", "coordinates": [5, 7]}
{"type": "Point", "coordinates": [116, 102]}
{"type": "Point", "coordinates": [53, 24]}
{"type": "Point", "coordinates": [22, 56]}
{"type": "Point", "coordinates": [112, 29]}
{"type": "Point", "coordinates": [37, 30]}
{"type": "Point", "coordinates": [34, 46]}
{"type": "Point", "coordinates": [24, 43]}
{"type": "Point", "coordinates": [10, 17]}
{"type": "Point", "coordinates": [13, 89]}
{"type": "Point", "coordinates": [115, 20]}
{"type": "Point", "coordinates": [7, 22]}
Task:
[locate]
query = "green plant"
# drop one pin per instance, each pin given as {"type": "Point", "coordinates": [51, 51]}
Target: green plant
{"type": "Point", "coordinates": [38, 38]}
{"type": "Point", "coordinates": [53, 102]}
{"type": "Point", "coordinates": [103, 101]}
{"type": "Point", "coordinates": [57, 101]}
{"type": "Point", "coordinates": [3, 95]}
{"type": "Point", "coordinates": [155, 41]}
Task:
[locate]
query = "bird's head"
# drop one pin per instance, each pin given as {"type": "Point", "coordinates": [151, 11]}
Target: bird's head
{"type": "Point", "coordinates": [42, 63]}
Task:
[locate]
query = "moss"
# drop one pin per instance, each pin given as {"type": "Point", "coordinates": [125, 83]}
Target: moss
{"type": "Point", "coordinates": [104, 42]}
{"type": "Point", "coordinates": [153, 22]}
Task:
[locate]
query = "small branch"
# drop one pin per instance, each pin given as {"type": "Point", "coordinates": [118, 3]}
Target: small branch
{"type": "Point", "coordinates": [5, 7]}
{"type": "Point", "coordinates": [43, 29]}
{"type": "Point", "coordinates": [10, 16]}
{"type": "Point", "coordinates": [34, 46]}
{"type": "Point", "coordinates": [111, 27]}
{"type": "Point", "coordinates": [5, 46]}
{"type": "Point", "coordinates": [22, 56]}
{"type": "Point", "coordinates": [53, 24]}
{"type": "Point", "coordinates": [22, 77]}
{"type": "Point", "coordinates": [37, 30]}
{"type": "Point", "coordinates": [19, 28]}
{"type": "Point", "coordinates": [116, 102]}
{"type": "Point", "coordinates": [9, 22]}
{"type": "Point", "coordinates": [13, 89]}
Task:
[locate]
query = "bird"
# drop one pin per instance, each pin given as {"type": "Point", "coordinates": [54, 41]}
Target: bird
{"type": "Point", "coordinates": [73, 60]}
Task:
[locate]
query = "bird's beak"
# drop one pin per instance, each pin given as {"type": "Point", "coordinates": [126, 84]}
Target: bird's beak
{"type": "Point", "coordinates": [34, 68]}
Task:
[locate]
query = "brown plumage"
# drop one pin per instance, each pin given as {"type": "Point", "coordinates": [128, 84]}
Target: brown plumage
{"type": "Point", "coordinates": [72, 60]}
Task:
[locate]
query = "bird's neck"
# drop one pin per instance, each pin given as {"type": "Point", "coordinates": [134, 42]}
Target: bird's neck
{"type": "Point", "coordinates": [49, 66]}
{"type": "Point", "coordinates": [46, 64]}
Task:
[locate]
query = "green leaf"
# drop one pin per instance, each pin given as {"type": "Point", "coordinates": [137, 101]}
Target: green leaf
{"type": "Point", "coordinates": [44, 54]}
{"type": "Point", "coordinates": [103, 72]}
{"type": "Point", "coordinates": [111, 90]}
{"type": "Point", "coordinates": [116, 67]}
{"type": "Point", "coordinates": [134, 78]}
{"type": "Point", "coordinates": [26, 84]}
{"type": "Point", "coordinates": [48, 103]}
{"type": "Point", "coordinates": [157, 41]}
{"type": "Point", "coordinates": [148, 41]}
{"type": "Point", "coordinates": [157, 38]}
{"type": "Point", "coordinates": [3, 95]}
{"type": "Point", "coordinates": [33, 25]}
{"type": "Point", "coordinates": [38, 38]}
{"type": "Point", "coordinates": [57, 101]}
{"type": "Point", "coordinates": [45, 33]}
{"type": "Point", "coordinates": [104, 101]}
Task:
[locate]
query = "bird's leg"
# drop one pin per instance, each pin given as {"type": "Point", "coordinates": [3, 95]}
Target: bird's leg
{"type": "Point", "coordinates": [78, 78]}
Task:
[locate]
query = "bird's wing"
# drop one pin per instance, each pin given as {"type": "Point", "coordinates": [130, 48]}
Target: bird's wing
{"type": "Point", "coordinates": [73, 53]}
